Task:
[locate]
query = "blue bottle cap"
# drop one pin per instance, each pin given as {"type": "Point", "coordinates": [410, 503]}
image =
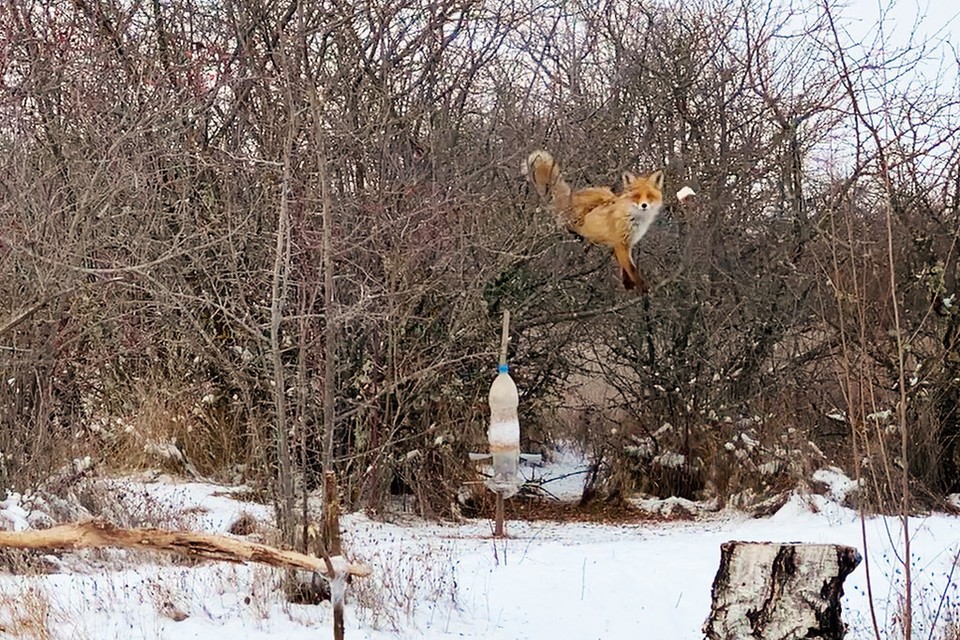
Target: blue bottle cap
{"type": "Point", "coordinates": [503, 368]}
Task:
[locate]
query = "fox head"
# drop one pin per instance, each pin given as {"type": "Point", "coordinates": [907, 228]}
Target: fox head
{"type": "Point", "coordinates": [645, 191]}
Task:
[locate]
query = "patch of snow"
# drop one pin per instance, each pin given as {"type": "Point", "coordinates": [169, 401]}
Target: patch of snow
{"type": "Point", "coordinates": [838, 484]}
{"type": "Point", "coordinates": [643, 450]}
{"type": "Point", "coordinates": [563, 475]}
{"type": "Point", "coordinates": [673, 506]}
{"type": "Point", "coordinates": [13, 517]}
{"type": "Point", "coordinates": [170, 502]}
{"type": "Point", "coordinates": [665, 428]}
{"type": "Point", "coordinates": [801, 508]}
{"type": "Point", "coordinates": [771, 468]}
{"type": "Point", "coordinates": [670, 459]}
{"type": "Point", "coordinates": [684, 193]}
{"type": "Point", "coordinates": [750, 442]}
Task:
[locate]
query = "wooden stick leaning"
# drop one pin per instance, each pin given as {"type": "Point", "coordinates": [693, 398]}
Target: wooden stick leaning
{"type": "Point", "coordinates": [98, 533]}
{"type": "Point", "coordinates": [505, 337]}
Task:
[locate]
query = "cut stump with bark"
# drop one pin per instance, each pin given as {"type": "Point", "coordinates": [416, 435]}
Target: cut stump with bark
{"type": "Point", "coordinates": [779, 591]}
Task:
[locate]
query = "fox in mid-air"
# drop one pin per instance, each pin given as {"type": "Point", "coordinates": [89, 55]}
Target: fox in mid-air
{"type": "Point", "coordinates": [616, 220]}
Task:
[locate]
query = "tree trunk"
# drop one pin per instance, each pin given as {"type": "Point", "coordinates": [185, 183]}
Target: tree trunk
{"type": "Point", "coordinates": [773, 591]}
{"type": "Point", "coordinates": [281, 271]}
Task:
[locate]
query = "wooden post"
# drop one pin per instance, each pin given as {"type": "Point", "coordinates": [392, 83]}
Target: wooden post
{"type": "Point", "coordinates": [774, 591]}
{"type": "Point", "coordinates": [331, 513]}
{"type": "Point", "coordinates": [505, 337]}
{"type": "Point", "coordinates": [498, 517]}
{"type": "Point", "coordinates": [331, 535]}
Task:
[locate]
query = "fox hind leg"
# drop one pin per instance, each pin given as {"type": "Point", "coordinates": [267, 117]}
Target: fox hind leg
{"type": "Point", "coordinates": [628, 271]}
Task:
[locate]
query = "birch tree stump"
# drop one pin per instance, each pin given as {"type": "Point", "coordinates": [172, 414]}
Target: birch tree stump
{"type": "Point", "coordinates": [774, 591]}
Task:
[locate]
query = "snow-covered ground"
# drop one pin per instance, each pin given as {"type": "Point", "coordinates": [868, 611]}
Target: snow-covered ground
{"type": "Point", "coordinates": [546, 581]}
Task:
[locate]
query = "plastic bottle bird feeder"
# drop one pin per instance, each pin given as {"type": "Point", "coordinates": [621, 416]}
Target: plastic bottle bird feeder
{"type": "Point", "coordinates": [504, 435]}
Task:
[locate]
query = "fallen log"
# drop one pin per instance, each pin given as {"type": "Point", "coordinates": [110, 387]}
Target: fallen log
{"type": "Point", "coordinates": [779, 591]}
{"type": "Point", "coordinates": [98, 534]}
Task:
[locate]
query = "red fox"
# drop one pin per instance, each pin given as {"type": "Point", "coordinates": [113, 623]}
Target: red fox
{"type": "Point", "coordinates": [600, 215]}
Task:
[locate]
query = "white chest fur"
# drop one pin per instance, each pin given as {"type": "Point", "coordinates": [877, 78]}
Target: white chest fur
{"type": "Point", "coordinates": [640, 221]}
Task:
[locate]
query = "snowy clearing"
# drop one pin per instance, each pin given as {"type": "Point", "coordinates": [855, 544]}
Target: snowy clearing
{"type": "Point", "coordinates": [547, 580]}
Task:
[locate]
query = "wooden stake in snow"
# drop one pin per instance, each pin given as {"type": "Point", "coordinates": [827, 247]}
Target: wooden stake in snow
{"type": "Point", "coordinates": [97, 533]}
{"type": "Point", "coordinates": [331, 536]}
{"type": "Point", "coordinates": [773, 591]}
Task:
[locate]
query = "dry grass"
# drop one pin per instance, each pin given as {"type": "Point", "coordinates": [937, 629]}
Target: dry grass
{"type": "Point", "coordinates": [168, 601]}
{"type": "Point", "coordinates": [404, 582]}
{"type": "Point", "coordinates": [187, 431]}
{"type": "Point", "coordinates": [26, 612]}
{"type": "Point", "coordinates": [537, 508]}
{"type": "Point", "coordinates": [131, 508]}
{"type": "Point", "coordinates": [950, 631]}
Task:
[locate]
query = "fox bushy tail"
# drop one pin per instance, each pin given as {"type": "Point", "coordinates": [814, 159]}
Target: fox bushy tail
{"type": "Point", "coordinates": [544, 173]}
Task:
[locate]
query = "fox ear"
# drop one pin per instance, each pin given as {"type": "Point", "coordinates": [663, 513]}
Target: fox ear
{"type": "Point", "coordinates": [656, 179]}
{"type": "Point", "coordinates": [627, 178]}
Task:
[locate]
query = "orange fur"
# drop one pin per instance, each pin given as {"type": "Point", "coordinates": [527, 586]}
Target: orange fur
{"type": "Point", "coordinates": [598, 214]}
